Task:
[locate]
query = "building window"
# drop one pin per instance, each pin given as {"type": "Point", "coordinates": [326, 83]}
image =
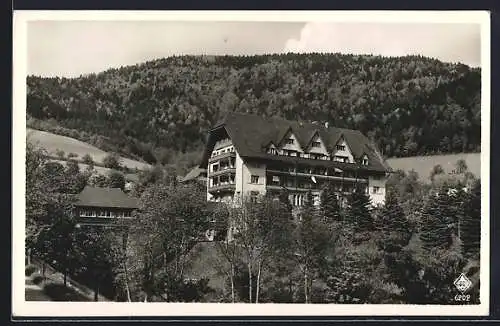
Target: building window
{"type": "Point", "coordinates": [375, 190]}
{"type": "Point", "coordinates": [276, 179]}
{"type": "Point", "coordinates": [254, 179]}
{"type": "Point", "coordinates": [316, 144]}
{"type": "Point", "coordinates": [272, 151]}
{"type": "Point", "coordinates": [365, 161]}
{"type": "Point", "coordinates": [343, 159]}
{"type": "Point", "coordinates": [253, 196]}
{"type": "Point", "coordinates": [290, 141]}
{"type": "Point", "coordinates": [340, 147]}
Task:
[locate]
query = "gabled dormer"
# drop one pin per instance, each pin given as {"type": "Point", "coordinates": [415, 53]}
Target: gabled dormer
{"type": "Point", "coordinates": [290, 145]}
{"type": "Point", "coordinates": [364, 160]}
{"type": "Point", "coordinates": [272, 149]}
{"type": "Point", "coordinates": [317, 148]}
{"type": "Point", "coordinates": [341, 152]}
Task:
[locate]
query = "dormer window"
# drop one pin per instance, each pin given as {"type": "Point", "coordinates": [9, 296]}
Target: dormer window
{"type": "Point", "coordinates": [290, 141]}
{"type": "Point", "coordinates": [364, 161]}
{"type": "Point", "coordinates": [340, 147]}
{"type": "Point", "coordinates": [316, 144]}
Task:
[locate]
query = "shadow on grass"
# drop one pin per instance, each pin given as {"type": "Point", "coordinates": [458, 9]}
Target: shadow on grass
{"type": "Point", "coordinates": [59, 292]}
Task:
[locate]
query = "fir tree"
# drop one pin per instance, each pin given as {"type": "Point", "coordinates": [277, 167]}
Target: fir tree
{"type": "Point", "coordinates": [330, 207]}
{"type": "Point", "coordinates": [394, 224]}
{"type": "Point", "coordinates": [283, 198]}
{"type": "Point", "coordinates": [471, 225]}
{"type": "Point", "coordinates": [459, 200]}
{"type": "Point", "coordinates": [437, 215]}
{"type": "Point", "coordinates": [358, 212]}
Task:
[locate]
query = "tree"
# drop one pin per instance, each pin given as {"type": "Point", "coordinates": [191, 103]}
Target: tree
{"type": "Point", "coordinates": [393, 224]}
{"type": "Point", "coordinates": [112, 161]}
{"type": "Point", "coordinates": [461, 166]}
{"type": "Point", "coordinates": [162, 236]}
{"type": "Point", "coordinates": [330, 207]}
{"type": "Point", "coordinates": [75, 180]}
{"type": "Point", "coordinates": [98, 180]}
{"type": "Point", "coordinates": [60, 153]}
{"type": "Point", "coordinates": [437, 221]}
{"type": "Point", "coordinates": [56, 242]}
{"type": "Point", "coordinates": [227, 257]}
{"type": "Point", "coordinates": [55, 178]}
{"type": "Point", "coordinates": [87, 159]}
{"type": "Point", "coordinates": [116, 180]}
{"type": "Point", "coordinates": [36, 194]}
{"type": "Point", "coordinates": [436, 170]}
{"type": "Point", "coordinates": [358, 213]}
{"type": "Point", "coordinates": [471, 224]}
{"type": "Point", "coordinates": [99, 258]}
{"type": "Point", "coordinates": [313, 240]}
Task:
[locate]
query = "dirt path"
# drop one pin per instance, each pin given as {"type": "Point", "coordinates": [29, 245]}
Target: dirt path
{"type": "Point", "coordinates": [33, 292]}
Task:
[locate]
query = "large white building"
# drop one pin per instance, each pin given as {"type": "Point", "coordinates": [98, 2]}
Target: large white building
{"type": "Point", "coordinates": [248, 155]}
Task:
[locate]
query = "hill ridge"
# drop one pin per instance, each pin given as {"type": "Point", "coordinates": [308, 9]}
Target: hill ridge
{"type": "Point", "coordinates": [160, 110]}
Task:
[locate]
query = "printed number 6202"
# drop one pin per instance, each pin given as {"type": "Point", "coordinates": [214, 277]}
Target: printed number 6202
{"type": "Point", "coordinates": [462, 297]}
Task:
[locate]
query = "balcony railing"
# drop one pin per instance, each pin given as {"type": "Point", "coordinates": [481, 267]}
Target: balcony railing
{"type": "Point", "coordinates": [328, 177]}
{"type": "Point", "coordinates": [223, 170]}
{"type": "Point", "coordinates": [224, 186]}
{"type": "Point", "coordinates": [221, 156]}
{"type": "Point", "coordinates": [299, 189]}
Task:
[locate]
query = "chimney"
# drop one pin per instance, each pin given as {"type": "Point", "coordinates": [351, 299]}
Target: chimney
{"type": "Point", "coordinates": [326, 125]}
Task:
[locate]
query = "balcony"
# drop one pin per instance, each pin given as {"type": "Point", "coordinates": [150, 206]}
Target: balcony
{"type": "Point", "coordinates": [222, 171]}
{"type": "Point", "coordinates": [221, 156]}
{"type": "Point", "coordinates": [222, 187]}
{"type": "Point", "coordinates": [328, 177]}
{"type": "Point", "coordinates": [299, 189]}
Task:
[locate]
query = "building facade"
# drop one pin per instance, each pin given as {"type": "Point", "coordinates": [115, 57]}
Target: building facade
{"type": "Point", "coordinates": [248, 155]}
{"type": "Point", "coordinates": [99, 206]}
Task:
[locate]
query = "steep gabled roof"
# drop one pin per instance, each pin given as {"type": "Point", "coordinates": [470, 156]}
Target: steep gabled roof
{"type": "Point", "coordinates": [251, 133]}
{"type": "Point", "coordinates": [195, 173]}
{"type": "Point", "coordinates": [311, 137]}
{"type": "Point", "coordinates": [106, 197]}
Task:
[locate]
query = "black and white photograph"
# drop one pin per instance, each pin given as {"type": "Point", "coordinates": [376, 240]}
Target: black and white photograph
{"type": "Point", "coordinates": [251, 163]}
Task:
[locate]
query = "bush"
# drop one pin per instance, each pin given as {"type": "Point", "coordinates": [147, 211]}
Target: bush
{"type": "Point", "coordinates": [87, 159]}
{"type": "Point", "coordinates": [112, 161]}
{"type": "Point", "coordinates": [30, 269]}
{"type": "Point", "coordinates": [38, 279]}
{"type": "Point", "coordinates": [60, 153]}
{"type": "Point", "coordinates": [59, 292]}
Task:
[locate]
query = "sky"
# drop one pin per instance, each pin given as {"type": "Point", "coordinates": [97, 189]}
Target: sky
{"type": "Point", "coordinates": [71, 48]}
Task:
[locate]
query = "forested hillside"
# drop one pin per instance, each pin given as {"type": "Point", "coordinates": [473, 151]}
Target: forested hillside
{"type": "Point", "coordinates": [156, 110]}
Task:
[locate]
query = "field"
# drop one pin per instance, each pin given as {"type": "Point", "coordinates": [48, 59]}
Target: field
{"type": "Point", "coordinates": [52, 143]}
{"type": "Point", "coordinates": [424, 164]}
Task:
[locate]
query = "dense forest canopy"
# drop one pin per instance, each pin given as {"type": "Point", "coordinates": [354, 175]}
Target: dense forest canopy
{"type": "Point", "coordinates": [155, 110]}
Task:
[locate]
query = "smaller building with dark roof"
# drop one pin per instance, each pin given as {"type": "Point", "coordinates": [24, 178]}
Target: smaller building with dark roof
{"type": "Point", "coordinates": [101, 205]}
{"type": "Point", "coordinates": [197, 174]}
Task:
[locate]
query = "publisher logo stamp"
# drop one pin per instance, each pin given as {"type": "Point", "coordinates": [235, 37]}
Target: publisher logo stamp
{"type": "Point", "coordinates": [462, 283]}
